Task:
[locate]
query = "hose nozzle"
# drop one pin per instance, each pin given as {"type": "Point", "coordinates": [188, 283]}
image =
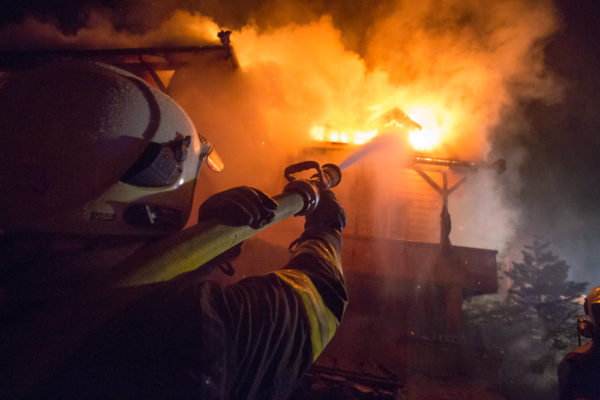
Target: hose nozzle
{"type": "Point", "coordinates": [332, 175]}
{"type": "Point", "coordinates": [327, 176]}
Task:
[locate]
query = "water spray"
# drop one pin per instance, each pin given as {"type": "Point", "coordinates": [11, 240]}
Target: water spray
{"type": "Point", "coordinates": [378, 143]}
{"type": "Point", "coordinates": [195, 246]}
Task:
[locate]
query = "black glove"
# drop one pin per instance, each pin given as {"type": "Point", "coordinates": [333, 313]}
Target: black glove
{"type": "Point", "coordinates": [239, 206]}
{"type": "Point", "coordinates": [328, 214]}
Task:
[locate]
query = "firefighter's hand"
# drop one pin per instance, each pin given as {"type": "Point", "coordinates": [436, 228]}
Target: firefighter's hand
{"type": "Point", "coordinates": [239, 206]}
{"type": "Point", "coordinates": [328, 214]}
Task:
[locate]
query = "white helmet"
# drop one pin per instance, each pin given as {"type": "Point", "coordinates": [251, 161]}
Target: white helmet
{"type": "Point", "coordinates": [87, 148]}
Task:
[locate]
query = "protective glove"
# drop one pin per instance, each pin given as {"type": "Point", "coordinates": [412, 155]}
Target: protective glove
{"type": "Point", "coordinates": [239, 206]}
{"type": "Point", "coordinates": [328, 214]}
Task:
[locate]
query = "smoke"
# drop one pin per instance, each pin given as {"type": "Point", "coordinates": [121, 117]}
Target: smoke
{"type": "Point", "coordinates": [481, 217]}
{"type": "Point", "coordinates": [467, 55]}
{"type": "Point", "coordinates": [100, 32]}
{"type": "Point", "coordinates": [479, 61]}
{"type": "Point", "coordinates": [460, 65]}
{"type": "Point", "coordinates": [290, 79]}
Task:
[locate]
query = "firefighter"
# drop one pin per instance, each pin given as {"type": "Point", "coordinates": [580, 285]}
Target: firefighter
{"type": "Point", "coordinates": [96, 165]}
{"type": "Point", "coordinates": [579, 371]}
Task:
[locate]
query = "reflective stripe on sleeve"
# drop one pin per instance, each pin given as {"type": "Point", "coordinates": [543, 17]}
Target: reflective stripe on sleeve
{"type": "Point", "coordinates": [322, 321]}
{"type": "Point", "coordinates": [325, 250]}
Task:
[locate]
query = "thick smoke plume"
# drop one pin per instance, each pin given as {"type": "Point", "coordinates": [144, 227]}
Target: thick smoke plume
{"type": "Point", "coordinates": [466, 56]}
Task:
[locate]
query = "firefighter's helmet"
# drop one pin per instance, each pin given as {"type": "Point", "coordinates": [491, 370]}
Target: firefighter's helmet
{"type": "Point", "coordinates": [88, 148]}
{"type": "Point", "coordinates": [592, 298]}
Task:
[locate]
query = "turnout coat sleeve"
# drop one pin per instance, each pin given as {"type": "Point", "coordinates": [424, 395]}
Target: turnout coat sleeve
{"type": "Point", "coordinates": [279, 323]}
{"type": "Point", "coordinates": [193, 338]}
{"type": "Point", "coordinates": [579, 373]}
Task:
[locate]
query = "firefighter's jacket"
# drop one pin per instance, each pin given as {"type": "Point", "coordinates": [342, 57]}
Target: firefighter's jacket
{"type": "Point", "coordinates": [190, 337]}
{"type": "Point", "coordinates": [579, 373]}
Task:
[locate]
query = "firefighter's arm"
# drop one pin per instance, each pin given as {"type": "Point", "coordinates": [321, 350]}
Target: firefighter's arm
{"type": "Point", "coordinates": [314, 272]}
{"type": "Point", "coordinates": [274, 326]}
{"type": "Point", "coordinates": [572, 374]}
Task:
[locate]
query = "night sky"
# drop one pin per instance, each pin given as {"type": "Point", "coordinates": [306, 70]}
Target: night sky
{"type": "Point", "coordinates": [557, 167]}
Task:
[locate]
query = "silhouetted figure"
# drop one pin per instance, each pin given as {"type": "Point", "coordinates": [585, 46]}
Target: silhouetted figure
{"type": "Point", "coordinates": [579, 371]}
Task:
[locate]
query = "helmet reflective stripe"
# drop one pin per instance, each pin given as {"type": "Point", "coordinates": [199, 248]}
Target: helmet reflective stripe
{"type": "Point", "coordinates": [322, 321]}
{"type": "Point", "coordinates": [70, 131]}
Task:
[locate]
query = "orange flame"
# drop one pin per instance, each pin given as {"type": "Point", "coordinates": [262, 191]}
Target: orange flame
{"type": "Point", "coordinates": [323, 134]}
{"type": "Point", "coordinates": [430, 135]}
{"type": "Point", "coordinates": [424, 138]}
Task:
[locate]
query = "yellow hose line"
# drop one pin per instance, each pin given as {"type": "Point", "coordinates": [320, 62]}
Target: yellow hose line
{"type": "Point", "coordinates": [195, 246]}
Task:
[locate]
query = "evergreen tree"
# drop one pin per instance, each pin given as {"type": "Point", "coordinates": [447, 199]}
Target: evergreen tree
{"type": "Point", "coordinates": [541, 289]}
{"type": "Point", "coordinates": [533, 324]}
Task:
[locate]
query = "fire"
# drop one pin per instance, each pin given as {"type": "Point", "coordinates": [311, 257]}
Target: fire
{"type": "Point", "coordinates": [323, 134]}
{"type": "Point", "coordinates": [308, 81]}
{"type": "Point", "coordinates": [430, 135]}
{"type": "Point", "coordinates": [424, 135]}
{"type": "Point", "coordinates": [337, 98]}
{"type": "Point", "coordinates": [423, 140]}
{"type": "Point", "coordinates": [299, 83]}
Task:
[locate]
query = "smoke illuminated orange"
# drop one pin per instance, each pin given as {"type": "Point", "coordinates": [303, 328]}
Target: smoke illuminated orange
{"type": "Point", "coordinates": [302, 82]}
{"type": "Point", "coordinates": [299, 83]}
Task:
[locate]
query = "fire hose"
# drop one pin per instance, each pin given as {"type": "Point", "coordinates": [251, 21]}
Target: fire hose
{"type": "Point", "coordinates": [195, 246]}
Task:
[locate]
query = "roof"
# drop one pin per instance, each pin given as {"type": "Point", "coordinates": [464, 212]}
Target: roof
{"type": "Point", "coordinates": [140, 60]}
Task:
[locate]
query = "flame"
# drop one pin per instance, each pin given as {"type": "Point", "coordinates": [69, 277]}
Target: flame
{"type": "Point", "coordinates": [322, 134]}
{"type": "Point", "coordinates": [430, 135]}
{"type": "Point", "coordinates": [424, 135]}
